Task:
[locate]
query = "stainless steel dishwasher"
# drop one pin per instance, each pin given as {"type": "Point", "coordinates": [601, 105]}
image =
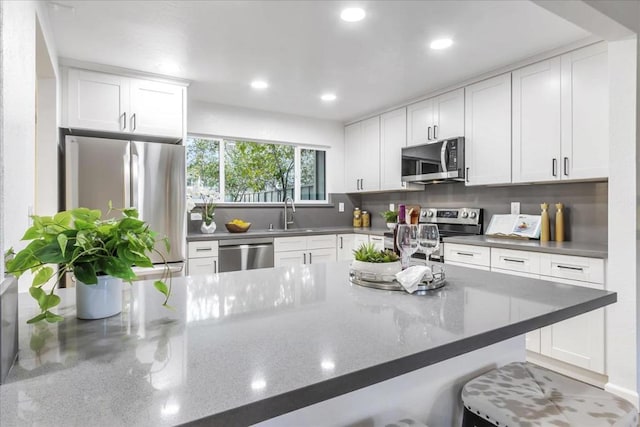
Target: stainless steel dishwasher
{"type": "Point", "coordinates": [245, 254]}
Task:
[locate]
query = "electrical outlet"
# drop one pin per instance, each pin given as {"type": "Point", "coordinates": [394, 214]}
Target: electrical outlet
{"type": "Point", "coordinates": [515, 208]}
{"type": "Point", "coordinates": [196, 216]}
{"type": "Point", "coordinates": [392, 207]}
{"type": "Point", "coordinates": [340, 207]}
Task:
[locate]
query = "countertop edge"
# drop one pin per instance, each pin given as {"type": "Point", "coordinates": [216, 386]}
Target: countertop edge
{"type": "Point", "coordinates": [296, 399]}
{"type": "Point", "coordinates": [526, 245]}
{"type": "Point", "coordinates": [199, 237]}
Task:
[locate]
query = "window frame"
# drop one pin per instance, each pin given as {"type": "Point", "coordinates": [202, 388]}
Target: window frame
{"type": "Point", "coordinates": [298, 147]}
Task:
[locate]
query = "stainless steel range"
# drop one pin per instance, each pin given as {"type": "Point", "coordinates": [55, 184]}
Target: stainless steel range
{"type": "Point", "coordinates": [451, 222]}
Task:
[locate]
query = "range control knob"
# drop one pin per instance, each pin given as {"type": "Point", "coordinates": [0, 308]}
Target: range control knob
{"type": "Point", "coordinates": [465, 214]}
{"type": "Point", "coordinates": [472, 215]}
{"type": "Point", "coordinates": [423, 213]}
{"type": "Point", "coordinates": [430, 213]}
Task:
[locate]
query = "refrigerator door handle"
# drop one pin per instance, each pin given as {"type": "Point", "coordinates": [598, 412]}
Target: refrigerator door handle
{"type": "Point", "coordinates": [135, 189]}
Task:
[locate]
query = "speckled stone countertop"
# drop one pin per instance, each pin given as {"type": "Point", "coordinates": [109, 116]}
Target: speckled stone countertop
{"type": "Point", "coordinates": [593, 250]}
{"type": "Point", "coordinates": [222, 234]}
{"type": "Point", "coordinates": [245, 346]}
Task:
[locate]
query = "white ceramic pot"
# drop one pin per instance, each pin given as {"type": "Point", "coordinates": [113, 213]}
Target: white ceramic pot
{"type": "Point", "coordinates": [391, 225]}
{"type": "Point", "coordinates": [208, 229]}
{"type": "Point", "coordinates": [99, 301]}
{"type": "Point", "coordinates": [378, 268]}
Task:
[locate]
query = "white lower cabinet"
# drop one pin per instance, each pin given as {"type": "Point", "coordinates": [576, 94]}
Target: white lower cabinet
{"type": "Point", "coordinates": [347, 243]}
{"type": "Point", "coordinates": [203, 258]}
{"type": "Point", "coordinates": [576, 346]}
{"type": "Point", "coordinates": [304, 250]}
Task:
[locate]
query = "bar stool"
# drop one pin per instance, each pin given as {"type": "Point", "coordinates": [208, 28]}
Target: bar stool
{"type": "Point", "coordinates": [523, 394]}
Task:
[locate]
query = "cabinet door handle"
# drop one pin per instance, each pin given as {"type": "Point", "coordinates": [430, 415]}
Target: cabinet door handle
{"type": "Point", "coordinates": [304, 258]}
{"type": "Point", "coordinates": [554, 167]}
{"type": "Point", "coordinates": [215, 266]}
{"type": "Point", "coordinates": [429, 133]}
{"type": "Point", "coordinates": [467, 177]}
{"type": "Point", "coordinates": [362, 183]}
{"type": "Point", "coordinates": [567, 267]}
{"type": "Point", "coordinates": [134, 122]}
{"type": "Point", "coordinates": [435, 131]}
{"type": "Point", "coordinates": [310, 259]}
{"type": "Point", "coordinates": [124, 121]}
{"type": "Point", "coordinates": [519, 261]}
{"type": "Point", "coordinates": [566, 166]}
{"type": "Point", "coordinates": [340, 242]}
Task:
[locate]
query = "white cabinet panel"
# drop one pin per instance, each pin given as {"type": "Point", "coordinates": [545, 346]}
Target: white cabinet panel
{"type": "Point", "coordinates": [573, 267]}
{"type": "Point", "coordinates": [321, 241]}
{"type": "Point", "coordinates": [516, 261]}
{"type": "Point", "coordinates": [281, 244]}
{"type": "Point", "coordinates": [448, 115]}
{"type": "Point", "coordinates": [377, 242]}
{"type": "Point", "coordinates": [282, 259]}
{"type": "Point", "coordinates": [488, 131]}
{"type": "Point", "coordinates": [580, 340]}
{"type": "Point", "coordinates": [345, 246]}
{"type": "Point", "coordinates": [362, 156]}
{"type": "Point", "coordinates": [393, 136]}
{"type": "Point", "coordinates": [585, 113]}
{"type": "Point", "coordinates": [467, 254]}
{"type": "Point", "coordinates": [202, 266]}
{"type": "Point", "coordinates": [536, 122]}
{"type": "Point", "coordinates": [352, 137]}
{"type": "Point", "coordinates": [420, 122]}
{"type": "Point", "coordinates": [319, 256]}
{"type": "Point", "coordinates": [203, 249]}
{"type": "Point", "coordinates": [156, 108]}
{"type": "Point", "coordinates": [97, 101]}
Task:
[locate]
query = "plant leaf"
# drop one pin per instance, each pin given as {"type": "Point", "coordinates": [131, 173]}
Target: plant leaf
{"type": "Point", "coordinates": [38, 318]}
{"type": "Point", "coordinates": [52, 301]}
{"type": "Point", "coordinates": [62, 218]}
{"type": "Point", "coordinates": [32, 233]}
{"type": "Point", "coordinates": [160, 285]}
{"type": "Point", "coordinates": [43, 275]}
{"type": "Point", "coordinates": [62, 242]}
{"type": "Point", "coordinates": [130, 212]}
{"type": "Point", "coordinates": [86, 273]}
{"type": "Point", "coordinates": [39, 295]}
{"type": "Point", "coordinates": [52, 318]}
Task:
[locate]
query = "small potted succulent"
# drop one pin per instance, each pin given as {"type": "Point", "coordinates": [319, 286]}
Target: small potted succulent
{"type": "Point", "coordinates": [391, 218]}
{"type": "Point", "coordinates": [100, 254]}
{"type": "Point", "coordinates": [370, 260]}
{"type": "Point", "coordinates": [208, 212]}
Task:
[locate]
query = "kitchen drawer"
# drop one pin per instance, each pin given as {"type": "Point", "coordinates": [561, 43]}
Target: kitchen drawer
{"type": "Point", "coordinates": [326, 241]}
{"type": "Point", "coordinates": [572, 267]}
{"type": "Point", "coordinates": [521, 261]}
{"type": "Point", "coordinates": [282, 244]}
{"type": "Point", "coordinates": [467, 254]}
{"type": "Point", "coordinates": [377, 242]}
{"type": "Point", "coordinates": [203, 249]}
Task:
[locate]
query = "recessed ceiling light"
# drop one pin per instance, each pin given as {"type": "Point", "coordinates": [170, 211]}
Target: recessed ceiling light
{"type": "Point", "coordinates": [259, 84]}
{"type": "Point", "coordinates": [327, 97]}
{"type": "Point", "coordinates": [353, 14]}
{"type": "Point", "coordinates": [441, 44]}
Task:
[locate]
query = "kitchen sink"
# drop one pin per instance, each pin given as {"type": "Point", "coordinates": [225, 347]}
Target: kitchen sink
{"type": "Point", "coordinates": [291, 230]}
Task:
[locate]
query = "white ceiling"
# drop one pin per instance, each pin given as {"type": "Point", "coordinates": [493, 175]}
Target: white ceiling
{"type": "Point", "coordinates": [303, 48]}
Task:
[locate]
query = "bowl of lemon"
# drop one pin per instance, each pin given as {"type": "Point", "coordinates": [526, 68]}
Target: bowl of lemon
{"type": "Point", "coordinates": [237, 226]}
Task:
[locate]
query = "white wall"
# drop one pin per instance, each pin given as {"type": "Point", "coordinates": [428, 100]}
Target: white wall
{"type": "Point", "coordinates": [224, 120]}
{"type": "Point", "coordinates": [17, 116]}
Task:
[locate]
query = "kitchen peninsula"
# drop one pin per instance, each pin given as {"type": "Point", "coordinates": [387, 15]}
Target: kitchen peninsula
{"type": "Point", "coordinates": [243, 347]}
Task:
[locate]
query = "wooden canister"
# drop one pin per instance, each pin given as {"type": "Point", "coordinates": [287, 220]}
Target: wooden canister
{"type": "Point", "coordinates": [559, 222]}
{"type": "Point", "coordinates": [545, 226]}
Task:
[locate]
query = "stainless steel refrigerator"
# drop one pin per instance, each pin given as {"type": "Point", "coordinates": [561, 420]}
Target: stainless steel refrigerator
{"type": "Point", "coordinates": [149, 176]}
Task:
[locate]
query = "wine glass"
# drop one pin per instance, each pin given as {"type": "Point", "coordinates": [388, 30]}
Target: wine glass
{"type": "Point", "coordinates": [407, 241]}
{"type": "Point", "coordinates": [428, 239]}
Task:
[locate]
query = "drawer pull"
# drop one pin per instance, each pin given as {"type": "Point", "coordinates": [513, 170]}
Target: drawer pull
{"type": "Point", "coordinates": [519, 261]}
{"type": "Point", "coordinates": [204, 249]}
{"type": "Point", "coordinates": [465, 253]}
{"type": "Point", "coordinates": [567, 267]}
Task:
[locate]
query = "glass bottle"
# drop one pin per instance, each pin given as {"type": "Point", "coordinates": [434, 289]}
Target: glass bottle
{"type": "Point", "coordinates": [357, 218]}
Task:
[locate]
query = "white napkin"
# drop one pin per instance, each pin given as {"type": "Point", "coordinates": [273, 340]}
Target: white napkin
{"type": "Point", "coordinates": [412, 276]}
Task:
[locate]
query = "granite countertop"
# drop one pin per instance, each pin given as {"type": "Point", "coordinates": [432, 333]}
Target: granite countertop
{"type": "Point", "coordinates": [592, 250]}
{"type": "Point", "coordinates": [222, 234]}
{"type": "Point", "coordinates": [245, 346]}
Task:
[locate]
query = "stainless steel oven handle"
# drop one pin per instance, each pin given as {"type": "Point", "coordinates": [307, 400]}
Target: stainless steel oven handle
{"type": "Point", "coordinates": [443, 155]}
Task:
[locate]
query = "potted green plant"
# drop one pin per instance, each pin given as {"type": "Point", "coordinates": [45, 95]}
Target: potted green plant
{"type": "Point", "coordinates": [391, 218]}
{"type": "Point", "coordinates": [382, 263]}
{"type": "Point", "coordinates": [100, 254]}
{"type": "Point", "coordinates": [208, 212]}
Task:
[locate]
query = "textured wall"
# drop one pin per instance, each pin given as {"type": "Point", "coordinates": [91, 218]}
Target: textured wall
{"type": "Point", "coordinates": [585, 212]}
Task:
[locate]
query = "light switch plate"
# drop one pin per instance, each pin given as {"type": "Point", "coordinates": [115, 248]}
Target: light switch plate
{"type": "Point", "coordinates": [340, 207]}
{"type": "Point", "coordinates": [515, 208]}
{"type": "Point", "coordinates": [392, 207]}
{"type": "Point", "coordinates": [196, 216]}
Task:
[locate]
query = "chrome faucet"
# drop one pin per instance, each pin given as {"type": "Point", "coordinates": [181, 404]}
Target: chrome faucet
{"type": "Point", "coordinates": [288, 219]}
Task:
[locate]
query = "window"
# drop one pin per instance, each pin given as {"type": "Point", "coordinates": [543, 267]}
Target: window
{"type": "Point", "coordinates": [253, 172]}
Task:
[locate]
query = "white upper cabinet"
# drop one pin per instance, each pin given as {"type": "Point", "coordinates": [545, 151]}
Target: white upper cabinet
{"type": "Point", "coordinates": [420, 122]}
{"type": "Point", "coordinates": [448, 115]}
{"type": "Point", "coordinates": [362, 155]}
{"type": "Point", "coordinates": [156, 108]}
{"type": "Point", "coordinates": [393, 136]}
{"type": "Point", "coordinates": [585, 113]}
{"type": "Point", "coordinates": [488, 131]}
{"type": "Point", "coordinates": [561, 118]}
{"type": "Point", "coordinates": [436, 118]}
{"type": "Point", "coordinates": [112, 103]}
{"type": "Point", "coordinates": [536, 122]}
{"type": "Point", "coordinates": [97, 101]}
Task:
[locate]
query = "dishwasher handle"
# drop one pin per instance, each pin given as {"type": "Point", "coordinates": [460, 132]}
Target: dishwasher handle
{"type": "Point", "coordinates": [246, 245]}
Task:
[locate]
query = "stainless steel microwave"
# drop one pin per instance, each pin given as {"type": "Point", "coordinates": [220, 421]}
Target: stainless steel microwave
{"type": "Point", "coordinates": [437, 161]}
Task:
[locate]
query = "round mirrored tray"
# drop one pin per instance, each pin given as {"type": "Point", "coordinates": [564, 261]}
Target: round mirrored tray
{"type": "Point", "coordinates": [389, 283]}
